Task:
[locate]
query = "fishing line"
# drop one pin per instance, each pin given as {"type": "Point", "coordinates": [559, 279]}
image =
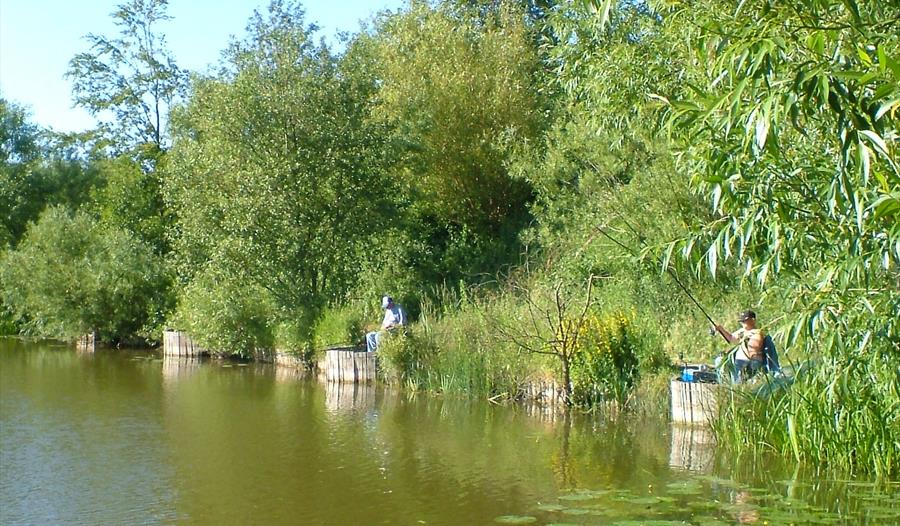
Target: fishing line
{"type": "Point", "coordinates": [668, 268]}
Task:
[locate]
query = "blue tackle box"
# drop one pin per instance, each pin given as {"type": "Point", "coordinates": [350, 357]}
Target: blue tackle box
{"type": "Point", "coordinates": [698, 374]}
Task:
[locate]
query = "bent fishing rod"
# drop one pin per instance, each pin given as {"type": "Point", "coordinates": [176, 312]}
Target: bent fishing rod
{"type": "Point", "coordinates": [671, 272]}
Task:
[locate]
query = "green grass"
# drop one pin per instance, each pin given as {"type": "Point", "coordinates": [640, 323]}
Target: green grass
{"type": "Point", "coordinates": [842, 413]}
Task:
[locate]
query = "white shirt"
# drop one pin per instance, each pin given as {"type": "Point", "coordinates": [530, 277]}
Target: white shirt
{"type": "Point", "coordinates": [393, 316]}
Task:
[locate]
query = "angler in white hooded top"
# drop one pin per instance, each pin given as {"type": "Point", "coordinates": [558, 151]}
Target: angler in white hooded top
{"type": "Point", "coordinates": [394, 318]}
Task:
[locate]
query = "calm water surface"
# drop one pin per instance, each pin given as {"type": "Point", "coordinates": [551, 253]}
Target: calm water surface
{"type": "Point", "coordinates": [120, 437]}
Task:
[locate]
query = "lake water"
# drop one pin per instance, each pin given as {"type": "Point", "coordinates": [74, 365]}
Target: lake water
{"type": "Point", "coordinates": [123, 437]}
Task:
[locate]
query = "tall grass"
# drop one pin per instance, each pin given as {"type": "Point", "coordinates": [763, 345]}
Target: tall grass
{"type": "Point", "coordinates": [840, 412]}
{"type": "Point", "coordinates": [453, 349]}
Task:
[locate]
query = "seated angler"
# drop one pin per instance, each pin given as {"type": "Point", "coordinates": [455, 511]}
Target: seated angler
{"type": "Point", "coordinates": [394, 318]}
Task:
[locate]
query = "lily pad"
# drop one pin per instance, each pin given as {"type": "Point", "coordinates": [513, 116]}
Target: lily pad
{"type": "Point", "coordinates": [550, 507]}
{"type": "Point", "coordinates": [684, 488]}
{"type": "Point", "coordinates": [644, 501]}
{"type": "Point", "coordinates": [578, 497]}
{"type": "Point", "coordinates": [515, 519]}
{"type": "Point", "coordinates": [651, 522]}
{"type": "Point", "coordinates": [703, 505]}
{"type": "Point", "coordinates": [576, 511]}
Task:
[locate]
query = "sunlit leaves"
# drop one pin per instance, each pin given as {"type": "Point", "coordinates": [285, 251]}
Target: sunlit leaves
{"type": "Point", "coordinates": [70, 275]}
{"type": "Point", "coordinates": [276, 173]}
{"type": "Point", "coordinates": [815, 194]}
{"type": "Point", "coordinates": [129, 82]}
{"type": "Point", "coordinates": [460, 86]}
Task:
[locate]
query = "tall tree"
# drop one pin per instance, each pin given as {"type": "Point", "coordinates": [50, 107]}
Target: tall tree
{"type": "Point", "coordinates": [460, 83]}
{"type": "Point", "coordinates": [37, 169]}
{"type": "Point", "coordinates": [19, 156]}
{"type": "Point", "coordinates": [276, 174]}
{"type": "Point", "coordinates": [130, 81]}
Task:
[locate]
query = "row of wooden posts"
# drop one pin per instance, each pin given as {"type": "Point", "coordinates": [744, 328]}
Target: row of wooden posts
{"type": "Point", "coordinates": [691, 403]}
{"type": "Point", "coordinates": [344, 364]}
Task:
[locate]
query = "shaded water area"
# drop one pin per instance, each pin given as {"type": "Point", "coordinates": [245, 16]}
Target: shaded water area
{"type": "Point", "coordinates": [121, 437]}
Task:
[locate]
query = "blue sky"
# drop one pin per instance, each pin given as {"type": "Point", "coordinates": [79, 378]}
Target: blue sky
{"type": "Point", "coordinates": [38, 37]}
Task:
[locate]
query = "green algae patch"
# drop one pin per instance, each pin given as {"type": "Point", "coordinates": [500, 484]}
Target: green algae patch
{"type": "Point", "coordinates": [515, 519]}
{"type": "Point", "coordinates": [710, 521]}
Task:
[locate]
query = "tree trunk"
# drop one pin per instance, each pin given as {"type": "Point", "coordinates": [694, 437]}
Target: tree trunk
{"type": "Point", "coordinates": [567, 378]}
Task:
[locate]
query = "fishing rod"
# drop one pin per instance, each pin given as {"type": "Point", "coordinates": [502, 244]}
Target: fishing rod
{"type": "Point", "coordinates": [671, 272]}
{"type": "Point", "coordinates": [588, 164]}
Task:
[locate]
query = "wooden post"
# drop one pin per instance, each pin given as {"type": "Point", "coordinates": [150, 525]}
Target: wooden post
{"type": "Point", "coordinates": [177, 343]}
{"type": "Point", "coordinates": [693, 403]}
{"type": "Point", "coordinates": [349, 365]}
{"type": "Point", "coordinates": [87, 342]}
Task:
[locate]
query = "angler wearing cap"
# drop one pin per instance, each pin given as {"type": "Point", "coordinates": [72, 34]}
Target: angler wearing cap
{"type": "Point", "coordinates": [750, 355]}
{"type": "Point", "coordinates": [394, 318]}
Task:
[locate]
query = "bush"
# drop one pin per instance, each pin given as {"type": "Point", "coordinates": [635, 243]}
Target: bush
{"type": "Point", "coordinates": [339, 326]}
{"type": "Point", "coordinates": [403, 357]}
{"type": "Point", "coordinates": [294, 335]}
{"type": "Point", "coordinates": [227, 316]}
{"type": "Point", "coordinates": [605, 363]}
{"type": "Point", "coordinates": [70, 275]}
{"type": "Point", "coordinates": [8, 325]}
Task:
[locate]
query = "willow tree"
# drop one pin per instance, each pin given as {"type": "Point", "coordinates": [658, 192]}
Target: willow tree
{"type": "Point", "coordinates": [786, 124]}
{"type": "Point", "coordinates": [793, 138]}
{"type": "Point", "coordinates": [275, 174]}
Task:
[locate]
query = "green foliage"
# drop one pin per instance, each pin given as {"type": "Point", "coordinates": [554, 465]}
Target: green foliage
{"type": "Point", "coordinates": [19, 155]}
{"type": "Point", "coordinates": [458, 86]}
{"type": "Point", "coordinates": [70, 275]}
{"type": "Point", "coordinates": [605, 363]}
{"type": "Point", "coordinates": [340, 326]}
{"type": "Point", "coordinates": [132, 77]}
{"type": "Point", "coordinates": [8, 326]}
{"type": "Point", "coordinates": [276, 174]}
{"type": "Point", "coordinates": [226, 315]}
{"type": "Point", "coordinates": [842, 411]}
{"type": "Point", "coordinates": [131, 199]}
{"type": "Point", "coordinates": [454, 349]}
{"type": "Point", "coordinates": [795, 119]}
{"type": "Point", "coordinates": [794, 161]}
{"type": "Point", "coordinates": [746, 151]}
{"type": "Point", "coordinates": [402, 357]}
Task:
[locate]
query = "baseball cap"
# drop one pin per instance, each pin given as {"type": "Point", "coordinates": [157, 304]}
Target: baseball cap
{"type": "Point", "coordinates": [747, 315]}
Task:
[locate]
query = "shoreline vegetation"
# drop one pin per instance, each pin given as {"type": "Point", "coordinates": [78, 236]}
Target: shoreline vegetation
{"type": "Point", "coordinates": [533, 181]}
